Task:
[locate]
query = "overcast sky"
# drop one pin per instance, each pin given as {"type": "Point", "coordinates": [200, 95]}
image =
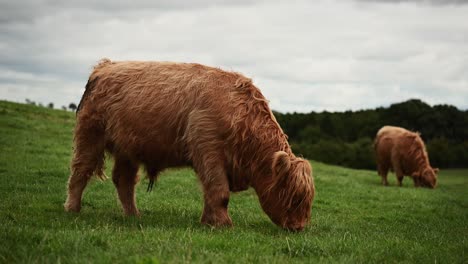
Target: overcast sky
{"type": "Point", "coordinates": [304, 55]}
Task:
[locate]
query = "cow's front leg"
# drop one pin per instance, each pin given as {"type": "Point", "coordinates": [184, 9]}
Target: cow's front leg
{"type": "Point", "coordinates": [215, 209]}
{"type": "Point", "coordinates": [416, 181]}
{"type": "Point", "coordinates": [208, 159]}
{"type": "Point", "coordinates": [397, 168]}
{"type": "Point", "coordinates": [215, 184]}
{"type": "Point", "coordinates": [399, 176]}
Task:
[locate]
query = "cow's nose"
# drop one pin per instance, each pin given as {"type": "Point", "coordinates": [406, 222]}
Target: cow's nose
{"type": "Point", "coordinates": [296, 227]}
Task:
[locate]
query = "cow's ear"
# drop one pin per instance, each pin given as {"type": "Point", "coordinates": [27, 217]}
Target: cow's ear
{"type": "Point", "coordinates": [281, 164]}
{"type": "Point", "coordinates": [436, 170]}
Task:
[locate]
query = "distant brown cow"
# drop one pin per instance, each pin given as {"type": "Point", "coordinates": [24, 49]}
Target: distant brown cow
{"type": "Point", "coordinates": [403, 152]}
{"type": "Point", "coordinates": [163, 114]}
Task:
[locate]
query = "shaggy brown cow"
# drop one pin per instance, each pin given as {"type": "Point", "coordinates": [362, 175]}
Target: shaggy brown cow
{"type": "Point", "coordinates": [403, 152]}
{"type": "Point", "coordinates": [164, 114]}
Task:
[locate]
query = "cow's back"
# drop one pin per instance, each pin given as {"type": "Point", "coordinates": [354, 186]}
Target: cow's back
{"type": "Point", "coordinates": [387, 141]}
{"type": "Point", "coordinates": [391, 132]}
{"type": "Point", "coordinates": [145, 106]}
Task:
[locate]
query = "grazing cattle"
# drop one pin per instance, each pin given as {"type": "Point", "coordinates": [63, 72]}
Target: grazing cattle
{"type": "Point", "coordinates": [403, 152]}
{"type": "Point", "coordinates": [164, 114]}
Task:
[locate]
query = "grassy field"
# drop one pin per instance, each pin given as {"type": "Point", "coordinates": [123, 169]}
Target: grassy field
{"type": "Point", "coordinates": [354, 218]}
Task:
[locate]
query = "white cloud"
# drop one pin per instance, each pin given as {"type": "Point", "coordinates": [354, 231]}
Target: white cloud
{"type": "Point", "coordinates": [333, 55]}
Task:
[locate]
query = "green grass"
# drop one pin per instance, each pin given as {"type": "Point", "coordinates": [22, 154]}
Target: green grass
{"type": "Point", "coordinates": [354, 218]}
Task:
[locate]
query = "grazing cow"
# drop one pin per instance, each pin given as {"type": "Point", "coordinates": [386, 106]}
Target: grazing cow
{"type": "Point", "coordinates": [403, 152]}
{"type": "Point", "coordinates": [164, 114]}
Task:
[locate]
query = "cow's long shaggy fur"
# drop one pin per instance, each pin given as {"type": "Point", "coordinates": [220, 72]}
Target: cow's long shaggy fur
{"type": "Point", "coordinates": [404, 152]}
{"type": "Point", "coordinates": [163, 114]}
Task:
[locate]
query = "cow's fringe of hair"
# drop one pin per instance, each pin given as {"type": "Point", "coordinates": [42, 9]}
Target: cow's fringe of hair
{"type": "Point", "coordinates": [300, 184]}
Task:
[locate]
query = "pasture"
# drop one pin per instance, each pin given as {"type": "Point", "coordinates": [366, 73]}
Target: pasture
{"type": "Point", "coordinates": [354, 218]}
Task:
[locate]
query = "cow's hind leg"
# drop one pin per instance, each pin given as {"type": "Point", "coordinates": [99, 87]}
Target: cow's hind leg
{"type": "Point", "coordinates": [383, 172]}
{"type": "Point", "coordinates": [88, 159]}
{"type": "Point", "coordinates": [124, 176]}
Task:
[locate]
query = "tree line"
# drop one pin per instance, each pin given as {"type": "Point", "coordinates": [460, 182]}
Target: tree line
{"type": "Point", "coordinates": [71, 106]}
{"type": "Point", "coordinates": [346, 138]}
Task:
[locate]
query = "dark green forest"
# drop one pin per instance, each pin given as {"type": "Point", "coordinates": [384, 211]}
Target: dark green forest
{"type": "Point", "coordinates": [346, 138]}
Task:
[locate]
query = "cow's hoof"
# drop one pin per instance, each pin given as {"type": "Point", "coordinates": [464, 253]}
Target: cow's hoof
{"type": "Point", "coordinates": [72, 207]}
{"type": "Point", "coordinates": [134, 213]}
{"type": "Point", "coordinates": [216, 220]}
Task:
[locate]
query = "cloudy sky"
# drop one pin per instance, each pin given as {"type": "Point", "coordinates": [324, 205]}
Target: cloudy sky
{"type": "Point", "coordinates": [304, 55]}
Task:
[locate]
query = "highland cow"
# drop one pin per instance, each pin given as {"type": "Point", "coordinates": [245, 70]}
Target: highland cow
{"type": "Point", "coordinates": [164, 114]}
{"type": "Point", "coordinates": [403, 152]}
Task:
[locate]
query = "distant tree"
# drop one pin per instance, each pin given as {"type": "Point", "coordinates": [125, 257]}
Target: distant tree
{"type": "Point", "coordinates": [461, 152]}
{"type": "Point", "coordinates": [64, 108]}
{"type": "Point", "coordinates": [326, 125]}
{"type": "Point", "coordinates": [440, 154]}
{"type": "Point", "coordinates": [310, 134]}
{"type": "Point", "coordinates": [30, 102]}
{"type": "Point", "coordinates": [40, 105]}
{"type": "Point", "coordinates": [72, 106]}
{"type": "Point", "coordinates": [50, 105]}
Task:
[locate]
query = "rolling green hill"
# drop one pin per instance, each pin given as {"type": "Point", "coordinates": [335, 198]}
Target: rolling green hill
{"type": "Point", "coordinates": [354, 218]}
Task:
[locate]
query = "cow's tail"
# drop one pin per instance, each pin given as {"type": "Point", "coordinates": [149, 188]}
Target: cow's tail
{"type": "Point", "coordinates": [92, 82]}
{"type": "Point", "coordinates": [376, 145]}
{"type": "Point", "coordinates": [89, 86]}
{"type": "Point", "coordinates": [376, 142]}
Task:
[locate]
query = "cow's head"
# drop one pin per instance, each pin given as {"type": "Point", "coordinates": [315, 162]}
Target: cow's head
{"type": "Point", "coordinates": [287, 198]}
{"type": "Point", "coordinates": [426, 177]}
